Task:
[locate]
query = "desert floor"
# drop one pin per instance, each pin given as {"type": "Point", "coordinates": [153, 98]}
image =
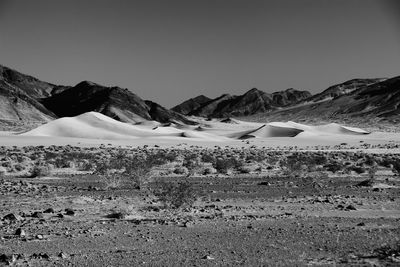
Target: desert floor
{"type": "Point", "coordinates": [70, 217]}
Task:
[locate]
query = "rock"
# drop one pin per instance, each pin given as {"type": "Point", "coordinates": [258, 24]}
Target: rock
{"type": "Point", "coordinates": [49, 210]}
{"type": "Point", "coordinates": [208, 257]}
{"type": "Point", "coordinates": [69, 212]}
{"type": "Point", "coordinates": [8, 259]}
{"type": "Point", "coordinates": [351, 207]}
{"type": "Point", "coordinates": [40, 237]}
{"type": "Point", "coordinates": [37, 214]}
{"type": "Point", "coordinates": [20, 232]}
{"type": "Point", "coordinates": [361, 224]}
{"type": "Point", "coordinates": [63, 255]}
{"type": "Point", "coordinates": [12, 217]}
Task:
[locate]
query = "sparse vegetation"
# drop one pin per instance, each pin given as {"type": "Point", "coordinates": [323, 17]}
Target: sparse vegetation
{"type": "Point", "coordinates": [175, 194]}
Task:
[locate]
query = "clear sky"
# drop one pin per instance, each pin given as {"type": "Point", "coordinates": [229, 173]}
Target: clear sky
{"type": "Point", "coordinates": [172, 50]}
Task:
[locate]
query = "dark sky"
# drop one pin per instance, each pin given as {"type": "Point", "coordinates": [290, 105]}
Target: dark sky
{"type": "Point", "coordinates": [169, 51]}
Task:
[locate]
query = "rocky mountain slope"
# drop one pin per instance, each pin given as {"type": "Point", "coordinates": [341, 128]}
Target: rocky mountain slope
{"type": "Point", "coordinates": [376, 101]}
{"type": "Point", "coordinates": [25, 99]}
{"type": "Point", "coordinates": [252, 102]}
{"type": "Point", "coordinates": [28, 84]}
{"type": "Point", "coordinates": [115, 102]}
{"type": "Point", "coordinates": [343, 89]}
{"type": "Point", "coordinates": [189, 105]}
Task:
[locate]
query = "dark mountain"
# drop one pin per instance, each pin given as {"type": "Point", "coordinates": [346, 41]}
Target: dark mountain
{"type": "Point", "coordinates": [164, 115]}
{"type": "Point", "coordinates": [115, 102]}
{"type": "Point", "coordinates": [252, 102]}
{"type": "Point", "coordinates": [208, 109]}
{"type": "Point", "coordinates": [378, 100]}
{"type": "Point", "coordinates": [25, 99]}
{"type": "Point", "coordinates": [189, 105]}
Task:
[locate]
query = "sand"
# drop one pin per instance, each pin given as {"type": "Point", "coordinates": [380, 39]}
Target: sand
{"type": "Point", "coordinates": [94, 128]}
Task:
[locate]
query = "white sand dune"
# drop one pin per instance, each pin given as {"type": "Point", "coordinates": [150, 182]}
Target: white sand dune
{"type": "Point", "coordinates": [93, 125]}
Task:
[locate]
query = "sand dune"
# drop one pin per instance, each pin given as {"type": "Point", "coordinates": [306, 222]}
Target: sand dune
{"type": "Point", "coordinates": [96, 126]}
{"type": "Point", "coordinates": [93, 125]}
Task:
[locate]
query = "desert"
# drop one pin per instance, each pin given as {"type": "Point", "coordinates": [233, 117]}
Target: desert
{"type": "Point", "coordinates": [200, 133]}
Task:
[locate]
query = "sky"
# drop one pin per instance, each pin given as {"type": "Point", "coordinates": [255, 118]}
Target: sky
{"type": "Point", "coordinates": [170, 51]}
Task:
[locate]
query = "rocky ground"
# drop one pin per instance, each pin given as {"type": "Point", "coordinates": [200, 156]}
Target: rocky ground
{"type": "Point", "coordinates": [242, 219]}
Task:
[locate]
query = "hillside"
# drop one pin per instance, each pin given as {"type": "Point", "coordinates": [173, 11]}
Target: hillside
{"type": "Point", "coordinates": [115, 102]}
{"type": "Point", "coordinates": [252, 102]}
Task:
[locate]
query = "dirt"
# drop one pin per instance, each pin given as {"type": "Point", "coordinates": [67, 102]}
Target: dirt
{"type": "Point", "coordinates": [250, 220]}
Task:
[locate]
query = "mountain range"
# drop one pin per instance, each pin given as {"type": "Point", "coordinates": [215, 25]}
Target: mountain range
{"type": "Point", "coordinates": [26, 99]}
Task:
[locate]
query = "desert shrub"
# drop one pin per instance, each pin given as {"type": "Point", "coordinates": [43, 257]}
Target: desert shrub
{"type": "Point", "coordinates": [208, 158]}
{"type": "Point", "coordinates": [112, 180]}
{"type": "Point", "coordinates": [209, 170]}
{"type": "Point", "coordinates": [222, 165]}
{"type": "Point", "coordinates": [391, 251]}
{"type": "Point", "coordinates": [358, 169]}
{"type": "Point", "coordinates": [3, 172]}
{"type": "Point", "coordinates": [86, 165]}
{"type": "Point", "coordinates": [181, 170]}
{"type": "Point", "coordinates": [396, 167]}
{"type": "Point", "coordinates": [244, 170]}
{"type": "Point", "coordinates": [372, 172]}
{"type": "Point", "coordinates": [334, 167]}
{"type": "Point", "coordinates": [292, 166]}
{"type": "Point", "coordinates": [192, 163]}
{"type": "Point", "coordinates": [175, 195]}
{"type": "Point", "coordinates": [40, 170]}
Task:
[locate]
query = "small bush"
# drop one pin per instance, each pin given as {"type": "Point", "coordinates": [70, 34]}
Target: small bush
{"type": "Point", "coordinates": [396, 167]}
{"type": "Point", "coordinates": [181, 170]}
{"type": "Point", "coordinates": [40, 171]}
{"type": "Point", "coordinates": [175, 195]}
{"type": "Point", "coordinates": [222, 165]}
{"type": "Point", "coordinates": [112, 181]}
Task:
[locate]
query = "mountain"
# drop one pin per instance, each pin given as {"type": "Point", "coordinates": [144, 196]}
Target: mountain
{"type": "Point", "coordinates": [115, 102]}
{"type": "Point", "coordinates": [252, 102]}
{"type": "Point", "coordinates": [19, 95]}
{"type": "Point", "coordinates": [208, 109]}
{"type": "Point", "coordinates": [343, 89]}
{"type": "Point", "coordinates": [163, 115]}
{"type": "Point", "coordinates": [28, 84]}
{"type": "Point", "coordinates": [16, 105]}
{"type": "Point", "coordinates": [189, 105]}
{"type": "Point", "coordinates": [379, 99]}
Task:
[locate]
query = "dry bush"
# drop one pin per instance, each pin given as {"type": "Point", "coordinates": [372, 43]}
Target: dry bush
{"type": "Point", "coordinates": [112, 181]}
{"type": "Point", "coordinates": [175, 195]}
{"type": "Point", "coordinates": [396, 167]}
{"type": "Point", "coordinates": [223, 165]}
{"type": "Point", "coordinates": [40, 170]}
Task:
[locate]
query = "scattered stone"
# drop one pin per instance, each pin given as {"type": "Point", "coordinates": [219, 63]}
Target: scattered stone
{"type": "Point", "coordinates": [361, 224]}
{"type": "Point", "coordinates": [40, 237]}
{"type": "Point", "coordinates": [37, 214]}
{"type": "Point", "coordinates": [69, 212]}
{"type": "Point", "coordinates": [49, 210]}
{"type": "Point", "coordinates": [208, 257]}
{"type": "Point", "coordinates": [8, 259]}
{"type": "Point", "coordinates": [63, 255]}
{"type": "Point", "coordinates": [351, 207]}
{"type": "Point", "coordinates": [20, 232]}
{"type": "Point", "coordinates": [117, 215]}
{"type": "Point", "coordinates": [12, 217]}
